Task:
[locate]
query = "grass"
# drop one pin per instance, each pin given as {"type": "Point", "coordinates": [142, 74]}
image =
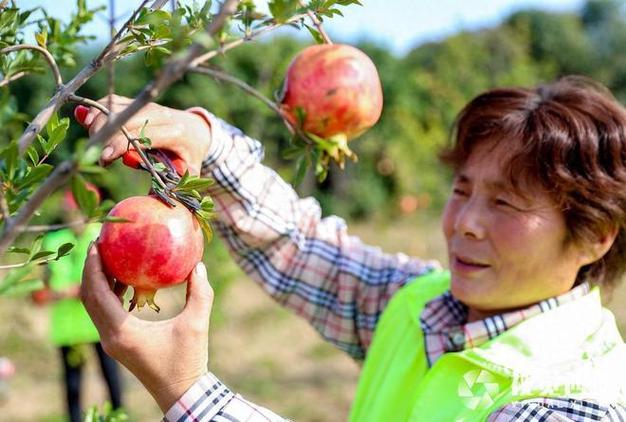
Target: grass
{"type": "Point", "coordinates": [257, 348]}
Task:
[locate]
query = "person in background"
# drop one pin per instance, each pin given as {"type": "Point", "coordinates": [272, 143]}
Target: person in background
{"type": "Point", "coordinates": [71, 328]}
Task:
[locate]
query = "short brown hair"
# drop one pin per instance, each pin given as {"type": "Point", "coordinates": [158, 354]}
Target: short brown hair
{"type": "Point", "coordinates": [570, 137]}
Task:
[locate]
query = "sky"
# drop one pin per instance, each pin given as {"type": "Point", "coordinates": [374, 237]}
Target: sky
{"type": "Point", "coordinates": [398, 24]}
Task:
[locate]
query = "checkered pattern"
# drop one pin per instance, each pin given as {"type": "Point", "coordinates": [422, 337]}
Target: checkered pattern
{"type": "Point", "coordinates": [209, 400]}
{"type": "Point", "coordinates": [340, 285]}
{"type": "Point", "coordinates": [444, 322]}
{"type": "Point", "coordinates": [559, 410]}
{"type": "Point", "coordinates": [305, 262]}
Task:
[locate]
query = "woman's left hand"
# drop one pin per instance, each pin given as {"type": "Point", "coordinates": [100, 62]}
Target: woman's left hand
{"type": "Point", "coordinates": [167, 357]}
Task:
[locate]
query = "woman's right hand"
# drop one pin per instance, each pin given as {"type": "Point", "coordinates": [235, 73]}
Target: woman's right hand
{"type": "Point", "coordinates": [186, 134]}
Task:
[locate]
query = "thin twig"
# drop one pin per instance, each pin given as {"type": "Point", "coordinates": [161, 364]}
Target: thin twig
{"type": "Point", "coordinates": [12, 78]}
{"type": "Point", "coordinates": [25, 263]}
{"type": "Point", "coordinates": [293, 129]}
{"type": "Point", "coordinates": [238, 82]}
{"type": "Point", "coordinates": [317, 23]}
{"type": "Point", "coordinates": [173, 71]}
{"type": "Point", "coordinates": [110, 46]}
{"type": "Point", "coordinates": [49, 227]}
{"type": "Point", "coordinates": [111, 65]}
{"type": "Point", "coordinates": [46, 54]}
{"type": "Point", "coordinates": [131, 139]}
{"type": "Point", "coordinates": [230, 45]}
{"type": "Point", "coordinates": [57, 178]}
{"type": "Point", "coordinates": [109, 53]}
{"type": "Point", "coordinates": [4, 207]}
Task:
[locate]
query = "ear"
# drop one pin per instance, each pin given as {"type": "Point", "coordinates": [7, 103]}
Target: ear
{"type": "Point", "coordinates": [596, 250]}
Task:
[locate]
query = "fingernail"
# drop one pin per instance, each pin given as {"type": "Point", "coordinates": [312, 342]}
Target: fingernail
{"type": "Point", "coordinates": [89, 119]}
{"type": "Point", "coordinates": [106, 153]}
{"type": "Point", "coordinates": [80, 112]}
{"type": "Point", "coordinates": [200, 269]}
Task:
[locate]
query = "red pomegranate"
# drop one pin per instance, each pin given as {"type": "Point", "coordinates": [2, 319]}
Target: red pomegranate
{"type": "Point", "coordinates": [338, 88]}
{"type": "Point", "coordinates": [158, 247]}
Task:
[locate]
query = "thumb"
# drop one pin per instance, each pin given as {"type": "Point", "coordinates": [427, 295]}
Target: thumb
{"type": "Point", "coordinates": [199, 292]}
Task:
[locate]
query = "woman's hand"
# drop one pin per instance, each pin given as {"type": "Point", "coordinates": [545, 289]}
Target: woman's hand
{"type": "Point", "coordinates": [167, 357]}
{"type": "Point", "coordinates": [184, 133]}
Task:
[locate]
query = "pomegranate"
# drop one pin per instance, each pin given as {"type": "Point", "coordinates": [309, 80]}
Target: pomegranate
{"type": "Point", "coordinates": [338, 88]}
{"type": "Point", "coordinates": [158, 247]}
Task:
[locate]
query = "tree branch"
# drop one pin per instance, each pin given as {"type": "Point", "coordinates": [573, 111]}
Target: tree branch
{"type": "Point", "coordinates": [107, 54]}
{"type": "Point", "coordinates": [59, 176]}
{"type": "Point", "coordinates": [228, 46]}
{"type": "Point", "coordinates": [46, 54]}
{"type": "Point", "coordinates": [171, 73]}
{"type": "Point", "coordinates": [252, 91]}
{"type": "Point", "coordinates": [4, 207]}
{"type": "Point", "coordinates": [49, 227]}
{"type": "Point", "coordinates": [12, 78]}
{"type": "Point", "coordinates": [317, 23]}
{"type": "Point", "coordinates": [223, 76]}
{"type": "Point", "coordinates": [131, 139]}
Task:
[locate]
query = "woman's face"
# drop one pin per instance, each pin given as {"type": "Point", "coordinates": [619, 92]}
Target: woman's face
{"type": "Point", "coordinates": [505, 250]}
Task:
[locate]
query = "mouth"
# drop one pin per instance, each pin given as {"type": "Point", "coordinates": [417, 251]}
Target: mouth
{"type": "Point", "coordinates": [467, 264]}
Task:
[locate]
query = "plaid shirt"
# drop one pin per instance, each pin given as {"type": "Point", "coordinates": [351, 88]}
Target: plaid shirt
{"type": "Point", "coordinates": [341, 286]}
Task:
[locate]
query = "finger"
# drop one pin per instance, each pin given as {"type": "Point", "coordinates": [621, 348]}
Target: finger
{"type": "Point", "coordinates": [199, 293]}
{"type": "Point", "coordinates": [100, 301]}
{"type": "Point", "coordinates": [80, 114]}
{"type": "Point", "coordinates": [161, 136]}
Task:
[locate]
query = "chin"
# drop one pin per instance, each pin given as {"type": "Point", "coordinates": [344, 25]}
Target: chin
{"type": "Point", "coordinates": [471, 292]}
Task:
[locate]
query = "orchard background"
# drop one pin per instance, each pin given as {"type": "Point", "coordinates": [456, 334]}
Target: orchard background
{"type": "Point", "coordinates": [257, 348]}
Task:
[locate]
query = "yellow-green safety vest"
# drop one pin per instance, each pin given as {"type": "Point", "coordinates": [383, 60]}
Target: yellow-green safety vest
{"type": "Point", "coordinates": [574, 351]}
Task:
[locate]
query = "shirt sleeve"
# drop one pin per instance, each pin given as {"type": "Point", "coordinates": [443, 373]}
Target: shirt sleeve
{"type": "Point", "coordinates": [210, 400]}
{"type": "Point", "coordinates": [558, 410]}
{"type": "Point", "coordinates": [307, 263]}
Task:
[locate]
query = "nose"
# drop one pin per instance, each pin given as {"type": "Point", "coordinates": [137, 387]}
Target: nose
{"type": "Point", "coordinates": [469, 221]}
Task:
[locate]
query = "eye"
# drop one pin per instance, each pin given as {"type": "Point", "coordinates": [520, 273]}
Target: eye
{"type": "Point", "coordinates": [459, 192]}
{"type": "Point", "coordinates": [505, 203]}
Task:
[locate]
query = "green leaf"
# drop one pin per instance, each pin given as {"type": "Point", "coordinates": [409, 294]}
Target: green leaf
{"type": "Point", "coordinates": [143, 139]}
{"type": "Point", "coordinates": [86, 199]}
{"type": "Point", "coordinates": [42, 254]}
{"type": "Point", "coordinates": [207, 204]}
{"type": "Point", "coordinates": [36, 246]}
{"type": "Point", "coordinates": [292, 152]}
{"type": "Point", "coordinates": [57, 135]}
{"type": "Point", "coordinates": [206, 228]}
{"type": "Point", "coordinates": [300, 115]}
{"type": "Point", "coordinates": [301, 167]}
{"type": "Point", "coordinates": [315, 33]}
{"type": "Point", "coordinates": [64, 250]}
{"type": "Point", "coordinates": [196, 183]}
{"type": "Point", "coordinates": [282, 10]}
{"type": "Point", "coordinates": [15, 249]}
{"type": "Point", "coordinates": [10, 157]}
{"type": "Point", "coordinates": [36, 174]}
{"type": "Point", "coordinates": [33, 155]}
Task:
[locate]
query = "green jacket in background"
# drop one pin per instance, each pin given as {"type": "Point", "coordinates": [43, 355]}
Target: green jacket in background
{"type": "Point", "coordinates": [69, 322]}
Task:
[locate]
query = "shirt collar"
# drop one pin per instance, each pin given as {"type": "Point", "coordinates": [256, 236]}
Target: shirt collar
{"type": "Point", "coordinates": [445, 326]}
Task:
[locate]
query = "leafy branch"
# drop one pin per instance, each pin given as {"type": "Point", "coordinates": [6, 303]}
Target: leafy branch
{"type": "Point", "coordinates": [45, 53]}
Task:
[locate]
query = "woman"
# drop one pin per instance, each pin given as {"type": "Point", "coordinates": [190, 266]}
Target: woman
{"type": "Point", "coordinates": [514, 331]}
